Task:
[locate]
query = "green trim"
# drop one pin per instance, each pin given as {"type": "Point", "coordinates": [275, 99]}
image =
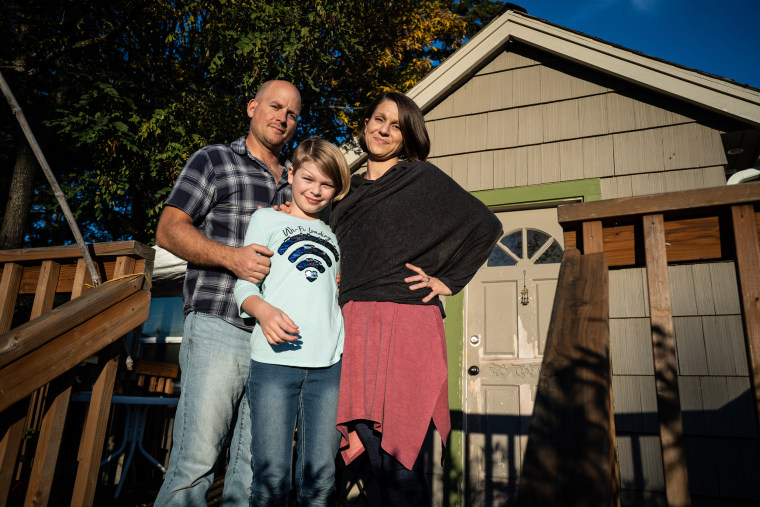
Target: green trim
{"type": "Point", "coordinates": [585, 190]}
{"type": "Point", "coordinates": [453, 473]}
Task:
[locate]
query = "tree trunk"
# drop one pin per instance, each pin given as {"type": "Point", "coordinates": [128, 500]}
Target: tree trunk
{"type": "Point", "coordinates": [19, 197]}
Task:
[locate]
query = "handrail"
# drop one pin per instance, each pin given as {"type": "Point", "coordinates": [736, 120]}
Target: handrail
{"type": "Point", "coordinates": [673, 202]}
{"type": "Point", "coordinates": [41, 358]}
{"type": "Point", "coordinates": [51, 325]}
{"type": "Point", "coordinates": [650, 231]}
{"type": "Point", "coordinates": [37, 358]}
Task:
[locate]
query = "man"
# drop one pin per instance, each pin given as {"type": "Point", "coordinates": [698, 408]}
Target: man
{"type": "Point", "coordinates": [204, 221]}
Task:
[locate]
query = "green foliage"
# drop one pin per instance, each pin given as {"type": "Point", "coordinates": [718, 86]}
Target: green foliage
{"type": "Point", "coordinates": [121, 94]}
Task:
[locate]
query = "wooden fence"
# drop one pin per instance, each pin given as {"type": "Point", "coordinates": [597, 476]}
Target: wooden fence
{"type": "Point", "coordinates": [570, 454]}
{"type": "Point", "coordinates": [37, 357]}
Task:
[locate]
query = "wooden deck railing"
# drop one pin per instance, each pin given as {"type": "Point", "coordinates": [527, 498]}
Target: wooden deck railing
{"type": "Point", "coordinates": [37, 358]}
{"type": "Point", "coordinates": [570, 454]}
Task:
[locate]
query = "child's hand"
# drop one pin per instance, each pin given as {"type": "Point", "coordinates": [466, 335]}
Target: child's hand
{"type": "Point", "coordinates": [275, 324]}
{"type": "Point", "coordinates": [436, 286]}
{"type": "Point", "coordinates": [337, 281]}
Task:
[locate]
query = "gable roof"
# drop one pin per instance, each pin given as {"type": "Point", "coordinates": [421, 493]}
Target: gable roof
{"type": "Point", "coordinates": [711, 92]}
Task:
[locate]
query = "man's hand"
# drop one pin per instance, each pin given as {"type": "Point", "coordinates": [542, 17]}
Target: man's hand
{"type": "Point", "coordinates": [283, 208]}
{"type": "Point", "coordinates": [250, 262]}
{"type": "Point", "coordinates": [177, 234]}
{"type": "Point", "coordinates": [275, 324]}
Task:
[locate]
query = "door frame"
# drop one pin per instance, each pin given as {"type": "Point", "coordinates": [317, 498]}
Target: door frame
{"type": "Point", "coordinates": [503, 199]}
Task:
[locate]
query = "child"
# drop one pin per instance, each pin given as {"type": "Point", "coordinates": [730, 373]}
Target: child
{"type": "Point", "coordinates": [297, 343]}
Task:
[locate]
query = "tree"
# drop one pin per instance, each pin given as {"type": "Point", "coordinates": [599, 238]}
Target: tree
{"type": "Point", "coordinates": [124, 93]}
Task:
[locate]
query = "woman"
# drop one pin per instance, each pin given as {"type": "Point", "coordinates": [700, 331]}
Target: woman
{"type": "Point", "coordinates": [408, 233]}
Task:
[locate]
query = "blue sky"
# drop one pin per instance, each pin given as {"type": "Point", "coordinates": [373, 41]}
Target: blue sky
{"type": "Point", "coordinates": [719, 37]}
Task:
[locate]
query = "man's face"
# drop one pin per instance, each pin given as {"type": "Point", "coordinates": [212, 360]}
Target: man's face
{"type": "Point", "coordinates": [274, 115]}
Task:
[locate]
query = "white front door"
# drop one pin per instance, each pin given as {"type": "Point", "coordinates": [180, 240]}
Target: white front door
{"type": "Point", "coordinates": [508, 305]}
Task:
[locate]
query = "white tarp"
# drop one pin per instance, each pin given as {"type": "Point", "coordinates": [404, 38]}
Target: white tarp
{"type": "Point", "coordinates": [168, 272]}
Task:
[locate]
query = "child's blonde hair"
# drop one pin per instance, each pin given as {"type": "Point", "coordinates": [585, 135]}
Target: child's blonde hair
{"type": "Point", "coordinates": [329, 159]}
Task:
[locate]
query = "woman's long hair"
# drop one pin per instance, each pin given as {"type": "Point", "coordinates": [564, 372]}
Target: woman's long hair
{"type": "Point", "coordinates": [415, 140]}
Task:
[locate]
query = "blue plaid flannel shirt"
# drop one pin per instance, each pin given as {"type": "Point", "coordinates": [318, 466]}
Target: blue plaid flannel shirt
{"type": "Point", "coordinates": [220, 187]}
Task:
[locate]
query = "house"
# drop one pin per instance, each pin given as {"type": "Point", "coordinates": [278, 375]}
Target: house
{"type": "Point", "coordinates": [529, 115]}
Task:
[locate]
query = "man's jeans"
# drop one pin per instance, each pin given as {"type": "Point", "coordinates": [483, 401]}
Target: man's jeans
{"type": "Point", "coordinates": [214, 360]}
{"type": "Point", "coordinates": [278, 396]}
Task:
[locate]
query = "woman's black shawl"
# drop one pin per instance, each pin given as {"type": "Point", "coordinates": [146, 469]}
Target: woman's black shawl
{"type": "Point", "coordinates": [414, 213]}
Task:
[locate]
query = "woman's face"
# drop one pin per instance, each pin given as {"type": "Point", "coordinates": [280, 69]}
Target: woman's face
{"type": "Point", "coordinates": [382, 133]}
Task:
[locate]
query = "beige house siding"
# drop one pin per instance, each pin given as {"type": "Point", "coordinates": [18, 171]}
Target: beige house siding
{"type": "Point", "coordinates": [713, 384]}
{"type": "Point", "coordinates": [527, 118]}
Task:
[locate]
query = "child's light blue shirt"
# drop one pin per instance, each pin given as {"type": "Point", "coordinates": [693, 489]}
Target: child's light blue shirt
{"type": "Point", "coordinates": [301, 283]}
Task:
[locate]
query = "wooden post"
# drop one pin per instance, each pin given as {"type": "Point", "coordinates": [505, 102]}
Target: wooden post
{"type": "Point", "coordinates": [93, 435]}
{"type": "Point", "coordinates": [12, 420]}
{"type": "Point", "coordinates": [81, 277]}
{"type": "Point", "coordinates": [94, 432]}
{"type": "Point", "coordinates": [49, 442]}
{"type": "Point", "coordinates": [593, 242]}
{"type": "Point", "coordinates": [51, 430]}
{"type": "Point", "coordinates": [665, 364]}
{"type": "Point", "coordinates": [748, 266]}
{"type": "Point", "coordinates": [9, 287]}
{"type": "Point", "coordinates": [44, 296]}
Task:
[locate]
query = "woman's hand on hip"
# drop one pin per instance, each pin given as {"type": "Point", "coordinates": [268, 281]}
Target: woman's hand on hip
{"type": "Point", "coordinates": [421, 281]}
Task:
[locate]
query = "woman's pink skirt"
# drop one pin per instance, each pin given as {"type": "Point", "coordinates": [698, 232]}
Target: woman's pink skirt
{"type": "Point", "coordinates": [393, 374]}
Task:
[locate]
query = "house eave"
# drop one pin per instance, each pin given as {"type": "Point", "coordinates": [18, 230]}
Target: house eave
{"type": "Point", "coordinates": [713, 93]}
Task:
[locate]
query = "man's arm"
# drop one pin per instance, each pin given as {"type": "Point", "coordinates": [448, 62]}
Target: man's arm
{"type": "Point", "coordinates": [177, 234]}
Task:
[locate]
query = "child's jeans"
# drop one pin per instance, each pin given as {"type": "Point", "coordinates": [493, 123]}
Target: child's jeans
{"type": "Point", "coordinates": [280, 396]}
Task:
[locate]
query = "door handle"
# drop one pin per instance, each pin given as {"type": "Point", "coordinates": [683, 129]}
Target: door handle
{"type": "Point", "coordinates": [473, 370]}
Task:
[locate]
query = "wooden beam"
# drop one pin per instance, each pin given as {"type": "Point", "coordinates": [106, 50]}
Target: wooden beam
{"type": "Point", "coordinates": [9, 288]}
{"type": "Point", "coordinates": [593, 237]}
{"type": "Point", "coordinates": [23, 376]}
{"type": "Point", "coordinates": [124, 266]}
{"type": "Point", "coordinates": [156, 368]}
{"type": "Point", "coordinates": [66, 280]}
{"type": "Point", "coordinates": [748, 266]}
{"type": "Point", "coordinates": [569, 458]}
{"type": "Point", "coordinates": [665, 364]}
{"type": "Point", "coordinates": [51, 430]}
{"type": "Point", "coordinates": [81, 278]}
{"type": "Point", "coordinates": [34, 334]}
{"type": "Point", "coordinates": [45, 291]}
{"type": "Point", "coordinates": [12, 429]}
{"type": "Point", "coordinates": [659, 203]}
{"type": "Point", "coordinates": [593, 242]}
{"type": "Point", "coordinates": [43, 303]}
{"type": "Point", "coordinates": [93, 435]}
{"type": "Point", "coordinates": [111, 249]}
{"type": "Point", "coordinates": [48, 443]}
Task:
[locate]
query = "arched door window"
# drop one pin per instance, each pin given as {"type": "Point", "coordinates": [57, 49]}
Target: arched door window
{"type": "Point", "coordinates": [526, 245]}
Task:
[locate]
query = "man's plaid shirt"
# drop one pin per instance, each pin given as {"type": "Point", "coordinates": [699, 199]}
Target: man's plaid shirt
{"type": "Point", "coordinates": [220, 187]}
